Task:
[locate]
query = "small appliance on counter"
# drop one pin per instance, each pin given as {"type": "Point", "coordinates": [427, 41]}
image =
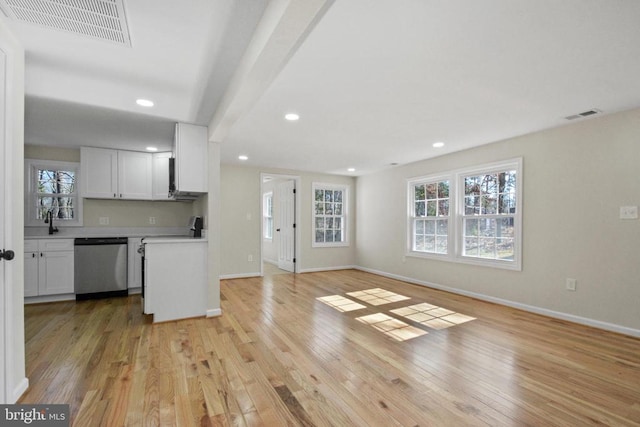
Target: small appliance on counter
{"type": "Point", "coordinates": [195, 225]}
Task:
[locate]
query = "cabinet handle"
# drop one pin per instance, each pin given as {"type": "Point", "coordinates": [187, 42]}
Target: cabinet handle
{"type": "Point", "coordinates": [41, 254]}
{"type": "Point", "coordinates": [33, 255]}
{"type": "Point", "coordinates": [121, 195]}
{"type": "Point", "coordinates": [114, 195]}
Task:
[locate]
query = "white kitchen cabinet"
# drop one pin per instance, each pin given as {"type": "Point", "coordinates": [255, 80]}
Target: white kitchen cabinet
{"type": "Point", "coordinates": [176, 285]}
{"type": "Point", "coordinates": [98, 173]}
{"type": "Point", "coordinates": [109, 174]}
{"type": "Point", "coordinates": [134, 263]}
{"type": "Point", "coordinates": [160, 181]}
{"type": "Point", "coordinates": [48, 267]}
{"type": "Point", "coordinates": [134, 175]}
{"type": "Point", "coordinates": [191, 158]}
{"type": "Point", "coordinates": [31, 258]}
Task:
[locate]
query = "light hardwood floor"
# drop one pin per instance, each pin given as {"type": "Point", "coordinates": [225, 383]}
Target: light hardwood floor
{"type": "Point", "coordinates": [279, 356]}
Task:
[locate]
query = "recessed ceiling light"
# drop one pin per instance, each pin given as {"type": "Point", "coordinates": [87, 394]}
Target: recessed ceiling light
{"type": "Point", "coordinates": [144, 102]}
{"type": "Point", "coordinates": [292, 117]}
{"type": "Point", "coordinates": [243, 157]}
{"type": "Point", "coordinates": [351, 169]}
{"type": "Point", "coordinates": [438, 144]}
{"type": "Point", "coordinates": [152, 148]}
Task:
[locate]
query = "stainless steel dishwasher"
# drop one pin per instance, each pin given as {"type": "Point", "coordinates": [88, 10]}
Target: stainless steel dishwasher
{"type": "Point", "coordinates": [100, 267]}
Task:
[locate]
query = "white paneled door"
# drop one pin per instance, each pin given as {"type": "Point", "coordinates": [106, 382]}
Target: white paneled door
{"type": "Point", "coordinates": [286, 226]}
{"type": "Point", "coordinates": [3, 178]}
{"type": "Point", "coordinates": [13, 381]}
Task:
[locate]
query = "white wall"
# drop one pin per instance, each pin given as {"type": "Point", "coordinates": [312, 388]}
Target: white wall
{"type": "Point", "coordinates": [213, 225]}
{"type": "Point", "coordinates": [576, 177]}
{"type": "Point", "coordinates": [241, 218]}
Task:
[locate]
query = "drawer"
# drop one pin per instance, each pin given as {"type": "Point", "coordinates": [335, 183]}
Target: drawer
{"type": "Point", "coordinates": [46, 245]}
{"type": "Point", "coordinates": [31, 245]}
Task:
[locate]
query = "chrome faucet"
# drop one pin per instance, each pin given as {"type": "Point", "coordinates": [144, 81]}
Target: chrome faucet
{"type": "Point", "coordinates": [49, 220]}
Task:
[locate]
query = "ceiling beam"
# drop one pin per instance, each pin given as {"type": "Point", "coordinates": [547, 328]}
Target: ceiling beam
{"type": "Point", "coordinates": [282, 29]}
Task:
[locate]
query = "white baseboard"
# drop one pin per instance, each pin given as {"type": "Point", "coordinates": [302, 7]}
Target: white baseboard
{"type": "Point", "coordinates": [19, 390]}
{"type": "Point", "coordinates": [214, 312]}
{"type": "Point", "coordinates": [525, 307]}
{"type": "Point", "coordinates": [315, 270]}
{"type": "Point", "coordinates": [49, 298]}
{"type": "Point", "coordinates": [239, 276]}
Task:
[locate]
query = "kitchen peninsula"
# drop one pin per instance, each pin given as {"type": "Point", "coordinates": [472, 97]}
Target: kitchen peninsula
{"type": "Point", "coordinates": [175, 284]}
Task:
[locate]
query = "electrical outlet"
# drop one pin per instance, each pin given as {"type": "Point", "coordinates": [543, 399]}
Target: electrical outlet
{"type": "Point", "coordinates": [152, 220]}
{"type": "Point", "coordinates": [250, 258]}
{"type": "Point", "coordinates": [628, 212]}
{"type": "Point", "coordinates": [104, 220]}
{"type": "Point", "coordinates": [571, 284]}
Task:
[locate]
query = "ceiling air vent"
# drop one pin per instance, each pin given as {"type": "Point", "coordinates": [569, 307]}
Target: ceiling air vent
{"type": "Point", "coordinates": [99, 19]}
{"type": "Point", "coordinates": [583, 114]}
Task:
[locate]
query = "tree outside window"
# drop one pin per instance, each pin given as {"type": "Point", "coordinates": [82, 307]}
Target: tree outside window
{"type": "Point", "coordinates": [471, 215]}
{"type": "Point", "coordinates": [52, 187]}
{"type": "Point", "coordinates": [430, 222]}
{"type": "Point", "coordinates": [329, 215]}
{"type": "Point", "coordinates": [267, 214]}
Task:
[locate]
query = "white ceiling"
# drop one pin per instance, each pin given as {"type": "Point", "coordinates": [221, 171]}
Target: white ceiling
{"type": "Point", "coordinates": [375, 82]}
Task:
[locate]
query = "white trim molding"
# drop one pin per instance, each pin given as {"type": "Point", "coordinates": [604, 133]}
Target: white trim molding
{"type": "Point", "coordinates": [524, 307]}
{"type": "Point", "coordinates": [214, 312]}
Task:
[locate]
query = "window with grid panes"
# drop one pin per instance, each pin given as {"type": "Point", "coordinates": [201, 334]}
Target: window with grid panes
{"type": "Point", "coordinates": [52, 188]}
{"type": "Point", "coordinates": [267, 214]}
{"type": "Point", "coordinates": [489, 215]}
{"type": "Point", "coordinates": [329, 215]}
{"type": "Point", "coordinates": [472, 215]}
{"type": "Point", "coordinates": [430, 222]}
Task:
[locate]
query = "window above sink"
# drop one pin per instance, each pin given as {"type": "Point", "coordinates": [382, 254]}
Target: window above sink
{"type": "Point", "coordinates": [52, 186]}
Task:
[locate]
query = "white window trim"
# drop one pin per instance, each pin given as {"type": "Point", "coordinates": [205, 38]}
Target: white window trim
{"type": "Point", "coordinates": [29, 181]}
{"type": "Point", "coordinates": [345, 214]}
{"type": "Point", "coordinates": [410, 215]}
{"type": "Point", "coordinates": [456, 211]}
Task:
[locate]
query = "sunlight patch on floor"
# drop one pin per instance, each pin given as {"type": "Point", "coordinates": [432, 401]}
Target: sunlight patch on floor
{"type": "Point", "coordinates": [396, 329]}
{"type": "Point", "coordinates": [377, 296]}
{"type": "Point", "coordinates": [340, 303]}
{"type": "Point", "coordinates": [432, 316]}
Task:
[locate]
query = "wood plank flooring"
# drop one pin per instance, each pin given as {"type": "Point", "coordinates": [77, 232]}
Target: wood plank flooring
{"type": "Point", "coordinates": [278, 356]}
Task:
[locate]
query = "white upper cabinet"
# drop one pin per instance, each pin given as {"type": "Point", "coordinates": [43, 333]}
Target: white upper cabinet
{"type": "Point", "coordinates": [160, 182]}
{"type": "Point", "coordinates": [191, 158]}
{"type": "Point", "coordinates": [98, 173]}
{"type": "Point", "coordinates": [134, 175]}
{"type": "Point", "coordinates": [115, 174]}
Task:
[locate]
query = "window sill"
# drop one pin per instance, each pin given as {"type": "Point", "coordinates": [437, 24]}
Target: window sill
{"type": "Point", "coordinates": [330, 245]}
{"type": "Point", "coordinates": [502, 265]}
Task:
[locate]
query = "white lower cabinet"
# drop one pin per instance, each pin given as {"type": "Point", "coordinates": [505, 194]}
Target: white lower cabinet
{"type": "Point", "coordinates": [176, 285]}
{"type": "Point", "coordinates": [48, 265]}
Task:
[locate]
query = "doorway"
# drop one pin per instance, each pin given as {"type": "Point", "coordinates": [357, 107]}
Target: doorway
{"type": "Point", "coordinates": [279, 233]}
